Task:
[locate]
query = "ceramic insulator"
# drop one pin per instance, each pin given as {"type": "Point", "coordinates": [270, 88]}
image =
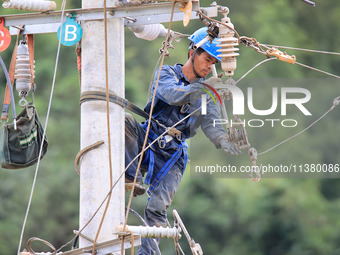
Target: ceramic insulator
{"type": "Point", "coordinates": [153, 232]}
{"type": "Point", "coordinates": [23, 70]}
{"type": "Point", "coordinates": [228, 48]}
{"type": "Point", "coordinates": [31, 5]}
{"type": "Point", "coordinates": [150, 32]}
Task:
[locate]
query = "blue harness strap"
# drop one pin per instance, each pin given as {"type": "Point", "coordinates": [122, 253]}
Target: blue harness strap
{"type": "Point", "coordinates": [182, 149]}
{"type": "Point", "coordinates": [150, 159]}
{"type": "Point", "coordinates": [150, 156]}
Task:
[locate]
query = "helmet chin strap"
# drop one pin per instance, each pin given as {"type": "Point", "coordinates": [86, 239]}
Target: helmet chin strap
{"type": "Point", "coordinates": [193, 67]}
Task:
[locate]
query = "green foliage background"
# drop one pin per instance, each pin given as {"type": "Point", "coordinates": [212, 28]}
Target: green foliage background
{"type": "Point", "coordinates": [226, 216]}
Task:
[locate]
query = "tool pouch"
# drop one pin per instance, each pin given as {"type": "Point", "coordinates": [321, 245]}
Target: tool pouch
{"type": "Point", "coordinates": [20, 148]}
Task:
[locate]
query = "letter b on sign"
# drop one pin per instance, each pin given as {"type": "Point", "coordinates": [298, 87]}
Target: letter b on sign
{"type": "Point", "coordinates": [70, 32]}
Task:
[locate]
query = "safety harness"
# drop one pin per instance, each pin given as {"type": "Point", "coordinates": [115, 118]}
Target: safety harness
{"type": "Point", "coordinates": [153, 181]}
{"type": "Point", "coordinates": [173, 133]}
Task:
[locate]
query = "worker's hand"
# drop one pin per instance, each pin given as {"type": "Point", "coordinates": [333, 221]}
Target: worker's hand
{"type": "Point", "coordinates": [212, 81]}
{"type": "Point", "coordinates": [229, 147]}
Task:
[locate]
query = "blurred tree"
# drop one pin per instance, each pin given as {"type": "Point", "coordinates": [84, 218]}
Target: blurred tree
{"type": "Point", "coordinates": [226, 216]}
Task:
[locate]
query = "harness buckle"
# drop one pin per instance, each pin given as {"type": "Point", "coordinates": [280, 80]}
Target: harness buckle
{"type": "Point", "coordinates": [185, 108]}
{"type": "Point", "coordinates": [161, 143]}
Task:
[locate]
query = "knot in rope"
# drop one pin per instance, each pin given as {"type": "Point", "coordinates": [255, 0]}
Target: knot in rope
{"type": "Point", "coordinates": [336, 102]}
{"type": "Point", "coordinates": [252, 152]}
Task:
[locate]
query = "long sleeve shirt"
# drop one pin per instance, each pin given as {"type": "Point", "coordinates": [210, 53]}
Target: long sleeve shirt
{"type": "Point", "coordinates": [176, 98]}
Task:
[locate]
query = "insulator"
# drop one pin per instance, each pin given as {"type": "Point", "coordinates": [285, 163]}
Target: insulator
{"type": "Point", "coordinates": [151, 232]}
{"type": "Point", "coordinates": [23, 70]}
{"type": "Point", "coordinates": [149, 32]}
{"type": "Point", "coordinates": [228, 47]}
{"type": "Point", "coordinates": [31, 5]}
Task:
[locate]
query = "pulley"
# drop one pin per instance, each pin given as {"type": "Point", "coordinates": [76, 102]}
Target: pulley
{"type": "Point", "coordinates": [237, 134]}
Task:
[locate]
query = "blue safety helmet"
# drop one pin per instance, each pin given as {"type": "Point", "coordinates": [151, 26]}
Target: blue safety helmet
{"type": "Point", "coordinates": [210, 48]}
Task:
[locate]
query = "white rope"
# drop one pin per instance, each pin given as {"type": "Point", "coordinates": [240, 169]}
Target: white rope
{"type": "Point", "coordinates": [301, 49]}
{"type": "Point", "coordinates": [44, 134]}
{"type": "Point", "coordinates": [335, 103]}
{"type": "Point", "coordinates": [318, 70]}
{"type": "Point", "coordinates": [312, 68]}
{"type": "Point", "coordinates": [258, 64]}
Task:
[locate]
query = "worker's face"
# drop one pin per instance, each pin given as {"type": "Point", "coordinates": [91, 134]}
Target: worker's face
{"type": "Point", "coordinates": [203, 63]}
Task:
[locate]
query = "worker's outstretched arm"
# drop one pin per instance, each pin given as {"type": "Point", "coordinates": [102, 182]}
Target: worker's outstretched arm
{"type": "Point", "coordinates": [213, 129]}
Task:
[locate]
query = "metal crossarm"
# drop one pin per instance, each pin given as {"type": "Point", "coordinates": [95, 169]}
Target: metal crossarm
{"type": "Point", "coordinates": [49, 22]}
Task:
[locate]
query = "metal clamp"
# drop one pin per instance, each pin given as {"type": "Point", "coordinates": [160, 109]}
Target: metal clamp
{"type": "Point", "coordinates": [283, 56]}
{"type": "Point", "coordinates": [175, 133]}
{"type": "Point", "coordinates": [174, 36]}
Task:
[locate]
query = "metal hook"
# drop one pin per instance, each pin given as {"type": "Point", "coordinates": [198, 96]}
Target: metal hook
{"type": "Point", "coordinates": [255, 169]}
{"type": "Point", "coordinates": [22, 102]}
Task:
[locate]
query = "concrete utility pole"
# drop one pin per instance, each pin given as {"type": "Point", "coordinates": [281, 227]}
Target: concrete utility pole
{"type": "Point", "coordinates": [95, 169]}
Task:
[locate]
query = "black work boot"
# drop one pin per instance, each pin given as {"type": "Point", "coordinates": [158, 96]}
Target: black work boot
{"type": "Point", "coordinates": [138, 190]}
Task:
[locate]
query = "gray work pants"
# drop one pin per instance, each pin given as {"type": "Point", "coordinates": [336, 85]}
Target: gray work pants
{"type": "Point", "coordinates": [156, 209]}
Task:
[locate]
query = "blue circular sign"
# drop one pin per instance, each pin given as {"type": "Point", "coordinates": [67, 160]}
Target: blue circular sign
{"type": "Point", "coordinates": [71, 32]}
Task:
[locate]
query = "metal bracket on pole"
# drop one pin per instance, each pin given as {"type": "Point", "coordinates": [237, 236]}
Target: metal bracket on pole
{"type": "Point", "coordinates": [49, 22]}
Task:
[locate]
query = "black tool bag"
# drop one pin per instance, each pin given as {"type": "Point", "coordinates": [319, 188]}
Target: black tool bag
{"type": "Point", "coordinates": [20, 148]}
